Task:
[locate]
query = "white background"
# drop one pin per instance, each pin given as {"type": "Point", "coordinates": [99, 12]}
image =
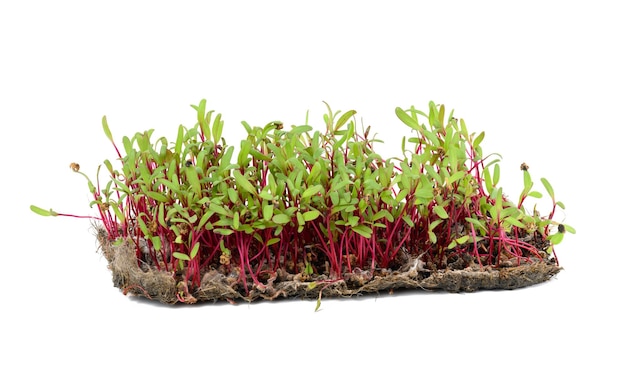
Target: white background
{"type": "Point", "coordinates": [545, 80]}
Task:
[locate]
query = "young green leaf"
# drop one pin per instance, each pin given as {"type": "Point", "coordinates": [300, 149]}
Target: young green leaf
{"type": "Point", "coordinates": [496, 174]}
{"type": "Point", "coordinates": [43, 212]}
{"type": "Point", "coordinates": [312, 191]}
{"type": "Point", "coordinates": [181, 256]}
{"type": "Point", "coordinates": [223, 231]}
{"type": "Point", "coordinates": [272, 241]}
{"type": "Point", "coordinates": [179, 140]}
{"type": "Point", "coordinates": [406, 119]}
{"type": "Point", "coordinates": [194, 181]}
{"type": "Point", "coordinates": [236, 220]}
{"type": "Point", "coordinates": [528, 183]}
{"type": "Point", "coordinates": [310, 215]}
{"type": "Point", "coordinates": [156, 243]}
{"type": "Point", "coordinates": [319, 302]}
{"type": "Point", "coordinates": [548, 187]}
{"type": "Point", "coordinates": [343, 119]}
{"type": "Point", "coordinates": [477, 223]}
{"type": "Point", "coordinates": [105, 127]}
{"type": "Point", "coordinates": [281, 219]}
{"type": "Point", "coordinates": [232, 195]}
{"type": "Point", "coordinates": [300, 219]}
{"type": "Point", "coordinates": [363, 230]}
{"type": "Point", "coordinates": [440, 211]}
{"type": "Point", "coordinates": [157, 196]}
{"type": "Point", "coordinates": [515, 222]}
{"type": "Point", "coordinates": [243, 183]}
{"type": "Point", "coordinates": [218, 126]}
{"type": "Point", "coordinates": [478, 140]}
{"type": "Point", "coordinates": [268, 211]}
{"type": "Point", "coordinates": [194, 250]}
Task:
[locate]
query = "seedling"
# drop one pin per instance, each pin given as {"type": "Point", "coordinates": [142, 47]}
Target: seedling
{"type": "Point", "coordinates": [313, 209]}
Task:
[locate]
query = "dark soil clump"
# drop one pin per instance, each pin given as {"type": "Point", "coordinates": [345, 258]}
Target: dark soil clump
{"type": "Point", "coordinates": [461, 275]}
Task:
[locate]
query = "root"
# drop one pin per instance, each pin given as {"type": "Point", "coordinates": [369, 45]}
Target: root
{"type": "Point", "coordinates": [216, 286]}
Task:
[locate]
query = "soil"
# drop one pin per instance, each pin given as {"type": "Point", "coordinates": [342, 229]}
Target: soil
{"type": "Point", "coordinates": [217, 285]}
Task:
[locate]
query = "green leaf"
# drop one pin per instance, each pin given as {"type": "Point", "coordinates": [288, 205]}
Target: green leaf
{"type": "Point", "coordinates": [315, 172]}
{"type": "Point", "coordinates": [281, 219]}
{"type": "Point", "coordinates": [477, 223]}
{"type": "Point", "coordinates": [346, 135]}
{"type": "Point", "coordinates": [487, 179]}
{"type": "Point", "coordinates": [496, 174]}
{"type": "Point", "coordinates": [272, 241]}
{"type": "Point", "coordinates": [223, 231]}
{"type": "Point", "coordinates": [353, 221]}
{"type": "Point", "coordinates": [556, 238]}
{"type": "Point", "coordinates": [218, 209]}
{"type": "Point", "coordinates": [236, 220]}
{"type": "Point", "coordinates": [343, 119]}
{"type": "Point", "coordinates": [363, 230]}
{"type": "Point", "coordinates": [105, 127]}
{"type": "Point", "coordinates": [243, 183]}
{"type": "Point", "coordinates": [382, 214]}
{"type": "Point", "coordinates": [181, 256]}
{"type": "Point", "coordinates": [432, 237]}
{"type": "Point", "coordinates": [434, 224]}
{"type": "Point", "coordinates": [528, 183]}
{"type": "Point", "coordinates": [226, 158]}
{"type": "Point", "coordinates": [456, 176]}
{"type": "Point", "coordinates": [319, 302]}
{"type": "Point", "coordinates": [515, 222]}
{"type": "Point", "coordinates": [232, 195]}
{"type": "Point", "coordinates": [478, 140]}
{"type": "Point", "coordinates": [179, 140]}
{"type": "Point", "coordinates": [205, 218]}
{"type": "Point", "coordinates": [218, 125]}
{"type": "Point", "coordinates": [156, 243]}
{"type": "Point", "coordinates": [268, 211]}
{"type": "Point", "coordinates": [496, 194]}
{"type": "Point", "coordinates": [128, 145]}
{"type": "Point", "coordinates": [406, 119]}
{"type": "Point", "coordinates": [408, 221]}
{"type": "Point", "coordinates": [194, 250]}
{"type": "Point", "coordinates": [300, 218]}
{"type": "Point", "coordinates": [43, 212]}
{"type": "Point", "coordinates": [298, 130]}
{"type": "Point", "coordinates": [312, 191]}
{"type": "Point", "coordinates": [441, 212]}
{"type": "Point", "coordinates": [242, 158]}
{"type": "Point", "coordinates": [310, 215]}
{"type": "Point", "coordinates": [402, 195]}
{"type": "Point", "coordinates": [548, 187]}
{"type": "Point", "coordinates": [194, 181]}
{"type": "Point", "coordinates": [425, 194]}
{"type": "Point", "coordinates": [247, 127]}
{"type": "Point", "coordinates": [157, 196]}
{"type": "Point", "coordinates": [118, 213]}
{"type": "Point", "coordinates": [161, 215]}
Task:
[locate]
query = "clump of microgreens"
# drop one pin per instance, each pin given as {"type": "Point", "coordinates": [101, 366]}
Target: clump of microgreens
{"type": "Point", "coordinates": [315, 202]}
